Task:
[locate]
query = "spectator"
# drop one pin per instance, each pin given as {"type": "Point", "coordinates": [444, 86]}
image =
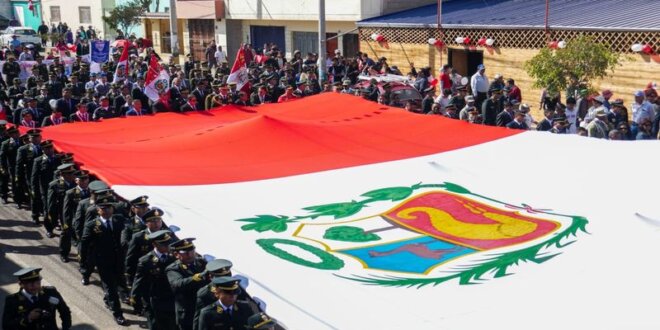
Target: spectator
{"type": "Point", "coordinates": [571, 114]}
{"type": "Point", "coordinates": [546, 123]}
{"type": "Point", "coordinates": [480, 86]}
{"type": "Point", "coordinates": [598, 127]}
{"type": "Point", "coordinates": [491, 107]}
{"type": "Point", "coordinates": [514, 91]}
{"type": "Point", "coordinates": [469, 106]}
{"type": "Point", "coordinates": [645, 131]}
{"type": "Point", "coordinates": [518, 121]}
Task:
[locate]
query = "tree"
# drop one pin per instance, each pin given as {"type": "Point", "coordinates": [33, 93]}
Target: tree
{"type": "Point", "coordinates": [146, 4]}
{"type": "Point", "coordinates": [125, 16]}
{"type": "Point", "coordinates": [583, 58]}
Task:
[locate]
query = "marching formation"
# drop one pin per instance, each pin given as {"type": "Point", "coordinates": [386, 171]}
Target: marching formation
{"type": "Point", "coordinates": [139, 260]}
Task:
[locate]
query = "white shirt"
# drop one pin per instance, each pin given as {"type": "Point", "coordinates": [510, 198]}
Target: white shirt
{"type": "Point", "coordinates": [479, 84]}
{"type": "Point", "coordinates": [571, 116]}
{"type": "Point", "coordinates": [220, 56]}
{"type": "Point", "coordinates": [27, 295]}
{"type": "Point", "coordinates": [224, 307]}
{"type": "Point", "coordinates": [105, 222]}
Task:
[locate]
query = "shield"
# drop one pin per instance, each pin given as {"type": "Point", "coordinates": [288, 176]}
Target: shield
{"type": "Point", "coordinates": [426, 231]}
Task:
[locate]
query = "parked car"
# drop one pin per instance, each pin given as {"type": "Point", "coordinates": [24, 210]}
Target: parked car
{"type": "Point", "coordinates": [26, 35]}
{"type": "Point", "coordinates": [402, 90]}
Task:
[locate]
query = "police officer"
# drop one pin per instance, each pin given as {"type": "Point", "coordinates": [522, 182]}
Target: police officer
{"type": "Point", "coordinates": [72, 197]}
{"type": "Point", "coordinates": [34, 306]}
{"type": "Point", "coordinates": [139, 244]}
{"type": "Point", "coordinates": [227, 312]}
{"type": "Point", "coordinates": [86, 209]}
{"type": "Point", "coordinates": [186, 276]}
{"type": "Point", "coordinates": [151, 288]}
{"type": "Point", "coordinates": [261, 321]}
{"type": "Point", "coordinates": [24, 160]}
{"type": "Point", "coordinates": [205, 295]}
{"type": "Point", "coordinates": [135, 223]}
{"type": "Point", "coordinates": [64, 181]}
{"type": "Point", "coordinates": [8, 151]}
{"type": "Point", "coordinates": [104, 234]}
{"type": "Point", "coordinates": [43, 171]}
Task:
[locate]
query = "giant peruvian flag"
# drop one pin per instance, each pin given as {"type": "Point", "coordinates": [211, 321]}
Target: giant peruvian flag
{"type": "Point", "coordinates": [156, 81]}
{"type": "Point", "coordinates": [239, 72]}
{"type": "Point", "coordinates": [121, 72]}
{"type": "Point", "coordinates": [347, 214]}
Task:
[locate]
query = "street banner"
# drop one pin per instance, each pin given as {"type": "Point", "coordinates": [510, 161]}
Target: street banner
{"type": "Point", "coordinates": [341, 213]}
{"type": "Point", "coordinates": [100, 51]}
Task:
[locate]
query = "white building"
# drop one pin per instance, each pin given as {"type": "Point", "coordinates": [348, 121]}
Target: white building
{"type": "Point", "coordinates": [79, 12]}
{"type": "Point", "coordinates": [292, 25]}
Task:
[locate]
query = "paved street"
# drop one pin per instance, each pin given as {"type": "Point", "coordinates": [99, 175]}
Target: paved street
{"type": "Point", "coordinates": [24, 244]}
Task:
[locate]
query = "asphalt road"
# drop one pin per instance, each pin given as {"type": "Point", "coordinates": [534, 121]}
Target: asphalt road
{"type": "Point", "coordinates": [23, 244]}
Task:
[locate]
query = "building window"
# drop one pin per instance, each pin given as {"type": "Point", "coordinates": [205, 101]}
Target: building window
{"type": "Point", "coordinates": [85, 15]}
{"type": "Point", "coordinates": [55, 14]}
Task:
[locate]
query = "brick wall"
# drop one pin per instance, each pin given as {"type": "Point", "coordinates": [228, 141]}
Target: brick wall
{"type": "Point", "coordinates": [634, 73]}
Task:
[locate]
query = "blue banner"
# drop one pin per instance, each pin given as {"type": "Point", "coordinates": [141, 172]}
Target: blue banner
{"type": "Point", "coordinates": [100, 51]}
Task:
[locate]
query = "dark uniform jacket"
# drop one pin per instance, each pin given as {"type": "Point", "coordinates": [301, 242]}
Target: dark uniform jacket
{"type": "Point", "coordinates": [8, 152]}
{"type": "Point", "coordinates": [107, 250]}
{"type": "Point", "coordinates": [43, 171]}
{"type": "Point", "coordinates": [151, 285]}
{"type": "Point", "coordinates": [18, 306]}
{"type": "Point", "coordinates": [544, 125]}
{"type": "Point", "coordinates": [205, 297]}
{"type": "Point", "coordinates": [489, 110]}
{"type": "Point", "coordinates": [185, 289]}
{"type": "Point", "coordinates": [56, 190]}
{"type": "Point", "coordinates": [216, 317]}
{"type": "Point", "coordinates": [72, 197]}
{"type": "Point", "coordinates": [503, 119]}
{"type": "Point", "coordinates": [104, 113]}
{"type": "Point", "coordinates": [24, 160]}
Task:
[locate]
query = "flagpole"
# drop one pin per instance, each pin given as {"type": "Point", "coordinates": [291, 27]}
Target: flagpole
{"type": "Point", "coordinates": [322, 41]}
{"type": "Point", "coordinates": [174, 29]}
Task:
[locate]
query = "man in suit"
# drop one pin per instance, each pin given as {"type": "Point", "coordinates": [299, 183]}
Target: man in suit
{"type": "Point", "coordinates": [518, 121]}
{"type": "Point", "coordinates": [546, 123]}
{"type": "Point", "coordinates": [104, 234]}
{"type": "Point", "coordinates": [505, 117]}
{"type": "Point", "coordinates": [82, 114]}
{"type": "Point", "coordinates": [227, 312]}
{"type": "Point", "coordinates": [56, 118]}
{"type": "Point", "coordinates": [25, 157]}
{"type": "Point", "coordinates": [200, 95]}
{"type": "Point", "coordinates": [190, 105]}
{"type": "Point", "coordinates": [55, 201]}
{"type": "Point", "coordinates": [137, 93]}
{"type": "Point", "coordinates": [151, 288]}
{"type": "Point", "coordinates": [54, 86]}
{"type": "Point", "coordinates": [186, 276]}
{"type": "Point", "coordinates": [260, 96]}
{"type": "Point", "coordinates": [491, 107]}
{"type": "Point", "coordinates": [34, 306]}
{"type": "Point", "coordinates": [72, 197]}
{"type": "Point", "coordinates": [43, 171]}
{"type": "Point", "coordinates": [66, 105]}
{"type": "Point", "coordinates": [8, 152]}
{"type": "Point", "coordinates": [135, 109]}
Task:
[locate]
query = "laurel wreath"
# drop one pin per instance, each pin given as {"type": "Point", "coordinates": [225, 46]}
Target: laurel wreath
{"type": "Point", "coordinates": [497, 265]}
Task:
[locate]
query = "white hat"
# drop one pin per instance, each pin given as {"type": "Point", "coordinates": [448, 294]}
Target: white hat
{"type": "Point", "coordinates": [498, 75]}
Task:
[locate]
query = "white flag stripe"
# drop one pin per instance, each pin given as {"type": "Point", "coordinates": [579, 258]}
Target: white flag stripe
{"type": "Point", "coordinates": [569, 174]}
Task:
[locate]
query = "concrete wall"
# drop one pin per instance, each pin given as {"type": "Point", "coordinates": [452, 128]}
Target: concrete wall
{"type": "Point", "coordinates": [300, 26]}
{"type": "Point", "coordinates": [70, 14]}
{"type": "Point", "coordinates": [336, 10]}
{"type": "Point", "coordinates": [634, 73]}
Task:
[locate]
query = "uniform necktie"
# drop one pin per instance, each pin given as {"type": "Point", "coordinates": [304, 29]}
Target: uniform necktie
{"type": "Point", "coordinates": [108, 224]}
{"type": "Point", "coordinates": [163, 257]}
{"type": "Point", "coordinates": [34, 299]}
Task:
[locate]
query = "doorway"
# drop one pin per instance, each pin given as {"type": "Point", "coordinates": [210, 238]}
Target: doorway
{"type": "Point", "coordinates": [465, 61]}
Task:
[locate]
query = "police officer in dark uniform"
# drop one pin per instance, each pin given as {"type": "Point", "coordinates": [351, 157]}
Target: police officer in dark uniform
{"type": "Point", "coordinates": [205, 295]}
{"type": "Point", "coordinates": [15, 92]}
{"type": "Point", "coordinates": [72, 197]}
{"type": "Point", "coordinates": [227, 313]}
{"type": "Point", "coordinates": [151, 288]}
{"type": "Point", "coordinates": [24, 160]}
{"type": "Point", "coordinates": [139, 244]}
{"type": "Point", "coordinates": [43, 171]}
{"type": "Point", "coordinates": [104, 232]}
{"type": "Point", "coordinates": [261, 321]}
{"type": "Point", "coordinates": [34, 306]}
{"type": "Point", "coordinates": [135, 223]}
{"type": "Point", "coordinates": [186, 276]}
{"type": "Point", "coordinates": [56, 190]}
{"type": "Point", "coordinates": [86, 209]}
{"type": "Point", "coordinates": [492, 106]}
{"type": "Point", "coordinates": [8, 151]}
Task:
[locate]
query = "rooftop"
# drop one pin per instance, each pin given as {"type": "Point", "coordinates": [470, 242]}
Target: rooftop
{"type": "Point", "coordinates": [620, 15]}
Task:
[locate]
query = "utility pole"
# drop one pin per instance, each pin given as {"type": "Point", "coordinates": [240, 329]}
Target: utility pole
{"type": "Point", "coordinates": [174, 29]}
{"type": "Point", "coordinates": [322, 41]}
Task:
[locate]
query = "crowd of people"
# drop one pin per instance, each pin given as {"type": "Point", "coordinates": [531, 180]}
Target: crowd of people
{"type": "Point", "coordinates": [140, 261]}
